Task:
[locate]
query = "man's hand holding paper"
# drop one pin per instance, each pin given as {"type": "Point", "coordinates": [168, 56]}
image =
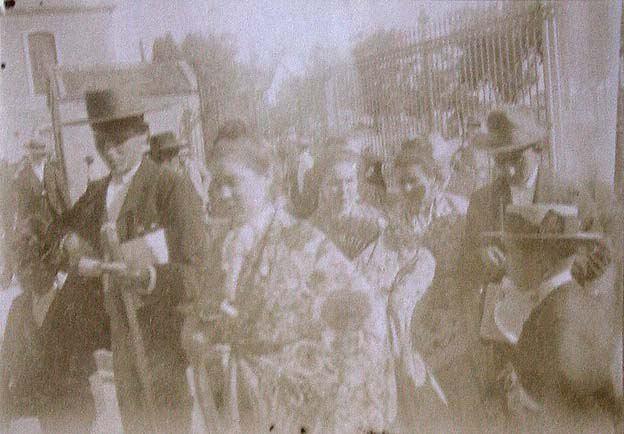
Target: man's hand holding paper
{"type": "Point", "coordinates": [140, 255]}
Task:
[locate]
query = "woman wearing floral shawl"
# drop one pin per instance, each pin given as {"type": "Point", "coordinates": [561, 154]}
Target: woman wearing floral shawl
{"type": "Point", "coordinates": [298, 333]}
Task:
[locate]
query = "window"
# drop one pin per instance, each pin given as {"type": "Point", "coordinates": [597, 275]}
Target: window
{"type": "Point", "coordinates": [42, 53]}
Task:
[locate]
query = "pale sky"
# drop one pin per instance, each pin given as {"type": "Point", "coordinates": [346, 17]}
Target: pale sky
{"type": "Point", "coordinates": [266, 27]}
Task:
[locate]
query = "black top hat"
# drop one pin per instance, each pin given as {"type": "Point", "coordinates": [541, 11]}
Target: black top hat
{"type": "Point", "coordinates": [110, 105]}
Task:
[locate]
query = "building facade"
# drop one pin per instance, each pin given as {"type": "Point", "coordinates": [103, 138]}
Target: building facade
{"type": "Point", "coordinates": [33, 36]}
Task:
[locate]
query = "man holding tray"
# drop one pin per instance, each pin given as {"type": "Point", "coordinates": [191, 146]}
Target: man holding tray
{"type": "Point", "coordinates": [514, 140]}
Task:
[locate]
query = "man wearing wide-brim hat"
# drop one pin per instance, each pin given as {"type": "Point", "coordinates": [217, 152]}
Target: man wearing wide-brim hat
{"type": "Point", "coordinates": [169, 151]}
{"type": "Point", "coordinates": [138, 201]}
{"type": "Point", "coordinates": [515, 139]}
{"type": "Point", "coordinates": [33, 192]}
{"type": "Point", "coordinates": [164, 147]}
{"type": "Point", "coordinates": [28, 184]}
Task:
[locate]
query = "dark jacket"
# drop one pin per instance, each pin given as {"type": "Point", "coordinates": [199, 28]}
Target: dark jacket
{"type": "Point", "coordinates": [485, 211]}
{"type": "Point", "coordinates": [45, 370]}
{"type": "Point", "coordinates": [156, 198]}
{"type": "Point", "coordinates": [45, 199]}
{"type": "Point", "coordinates": [595, 203]}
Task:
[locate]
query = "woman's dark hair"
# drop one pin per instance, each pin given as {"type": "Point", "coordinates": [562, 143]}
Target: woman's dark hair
{"type": "Point", "coordinates": [303, 203]}
{"type": "Point", "coordinates": [416, 152]}
{"type": "Point", "coordinates": [235, 141]}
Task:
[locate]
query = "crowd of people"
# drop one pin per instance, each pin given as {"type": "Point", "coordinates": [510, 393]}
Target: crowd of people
{"type": "Point", "coordinates": [319, 290]}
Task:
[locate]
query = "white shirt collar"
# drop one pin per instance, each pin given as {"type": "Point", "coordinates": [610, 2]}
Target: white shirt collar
{"type": "Point", "coordinates": [524, 194]}
{"type": "Point", "coordinates": [116, 192]}
{"type": "Point", "coordinates": [38, 169]}
{"type": "Point", "coordinates": [127, 177]}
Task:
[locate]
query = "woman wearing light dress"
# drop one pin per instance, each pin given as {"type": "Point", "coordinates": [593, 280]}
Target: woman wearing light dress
{"type": "Point", "coordinates": [412, 260]}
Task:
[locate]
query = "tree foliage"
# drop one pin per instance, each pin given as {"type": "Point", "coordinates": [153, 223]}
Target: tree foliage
{"type": "Point", "coordinates": [301, 102]}
{"type": "Point", "coordinates": [229, 88]}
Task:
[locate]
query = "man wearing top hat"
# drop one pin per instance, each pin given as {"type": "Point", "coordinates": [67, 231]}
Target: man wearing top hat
{"type": "Point", "coordinates": [137, 199]}
{"type": "Point", "coordinates": [515, 140]}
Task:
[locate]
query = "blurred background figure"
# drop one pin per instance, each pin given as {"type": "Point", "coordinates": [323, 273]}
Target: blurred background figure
{"type": "Point", "coordinates": [167, 150]}
{"type": "Point", "coordinates": [51, 332]}
{"type": "Point", "coordinates": [303, 178]}
{"type": "Point", "coordinates": [7, 173]}
{"type": "Point", "coordinates": [35, 191]}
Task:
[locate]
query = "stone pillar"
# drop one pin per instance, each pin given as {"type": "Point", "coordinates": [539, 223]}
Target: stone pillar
{"type": "Point", "coordinates": [589, 40]}
{"type": "Point", "coordinates": [619, 150]}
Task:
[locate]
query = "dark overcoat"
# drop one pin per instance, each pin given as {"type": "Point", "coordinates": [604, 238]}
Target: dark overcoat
{"type": "Point", "coordinates": [156, 199]}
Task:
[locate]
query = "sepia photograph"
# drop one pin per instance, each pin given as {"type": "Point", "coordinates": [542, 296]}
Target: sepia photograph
{"type": "Point", "coordinates": [311, 216]}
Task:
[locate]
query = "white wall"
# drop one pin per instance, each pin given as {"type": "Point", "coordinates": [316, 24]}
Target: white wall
{"type": "Point", "coordinates": [589, 38]}
{"type": "Point", "coordinates": [81, 38]}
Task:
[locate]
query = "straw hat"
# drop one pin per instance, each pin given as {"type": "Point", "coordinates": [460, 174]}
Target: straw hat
{"type": "Point", "coordinates": [542, 222]}
{"type": "Point", "coordinates": [510, 130]}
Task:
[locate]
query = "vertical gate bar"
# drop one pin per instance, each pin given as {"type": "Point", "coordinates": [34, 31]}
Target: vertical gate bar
{"type": "Point", "coordinates": [503, 71]}
{"type": "Point", "coordinates": [527, 30]}
{"type": "Point", "coordinates": [538, 20]}
{"type": "Point", "coordinates": [457, 56]}
{"type": "Point", "coordinates": [494, 60]}
{"type": "Point", "coordinates": [554, 45]}
{"type": "Point", "coordinates": [550, 107]}
{"type": "Point", "coordinates": [512, 76]}
{"type": "Point", "coordinates": [436, 76]}
{"type": "Point", "coordinates": [474, 83]}
{"type": "Point", "coordinates": [487, 64]}
{"type": "Point", "coordinates": [461, 115]}
{"type": "Point", "coordinates": [426, 37]}
{"type": "Point", "coordinates": [451, 76]}
{"type": "Point", "coordinates": [439, 69]}
{"type": "Point", "coordinates": [483, 61]}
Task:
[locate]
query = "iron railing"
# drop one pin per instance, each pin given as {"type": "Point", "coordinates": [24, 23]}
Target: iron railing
{"type": "Point", "coordinates": [437, 78]}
